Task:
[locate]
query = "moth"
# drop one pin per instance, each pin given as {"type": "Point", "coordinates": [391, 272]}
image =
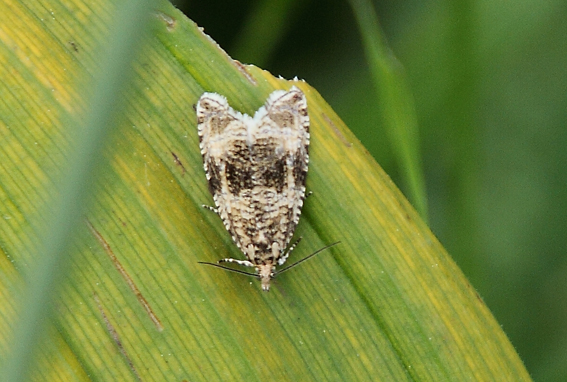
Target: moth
{"type": "Point", "coordinates": [256, 169]}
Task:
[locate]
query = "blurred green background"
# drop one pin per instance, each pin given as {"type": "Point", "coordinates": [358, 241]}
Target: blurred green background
{"type": "Point", "coordinates": [489, 80]}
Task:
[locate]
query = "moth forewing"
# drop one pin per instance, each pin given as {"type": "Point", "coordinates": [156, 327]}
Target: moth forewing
{"type": "Point", "coordinates": [256, 169]}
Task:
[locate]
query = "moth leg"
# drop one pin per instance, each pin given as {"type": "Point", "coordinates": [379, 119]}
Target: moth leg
{"type": "Point", "coordinates": [308, 194]}
{"type": "Point", "coordinates": [210, 208]}
{"type": "Point", "coordinates": [246, 263]}
{"type": "Point", "coordinates": [283, 259]}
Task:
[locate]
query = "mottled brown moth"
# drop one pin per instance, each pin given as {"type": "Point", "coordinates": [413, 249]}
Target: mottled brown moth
{"type": "Point", "coordinates": [256, 169]}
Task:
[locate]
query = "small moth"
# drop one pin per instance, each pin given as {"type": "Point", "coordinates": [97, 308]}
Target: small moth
{"type": "Point", "coordinates": [256, 169]}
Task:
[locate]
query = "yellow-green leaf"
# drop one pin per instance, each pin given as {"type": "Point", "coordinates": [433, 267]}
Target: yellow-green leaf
{"type": "Point", "coordinates": [387, 304]}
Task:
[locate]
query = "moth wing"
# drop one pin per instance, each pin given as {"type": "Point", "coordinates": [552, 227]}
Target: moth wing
{"type": "Point", "coordinates": [217, 125]}
{"type": "Point", "coordinates": [287, 111]}
{"type": "Point", "coordinates": [223, 134]}
{"type": "Point", "coordinates": [285, 117]}
{"type": "Point", "coordinates": [283, 122]}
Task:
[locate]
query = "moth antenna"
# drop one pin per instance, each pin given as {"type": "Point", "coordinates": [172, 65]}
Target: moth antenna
{"type": "Point", "coordinates": [230, 269]}
{"type": "Point", "coordinates": [305, 259]}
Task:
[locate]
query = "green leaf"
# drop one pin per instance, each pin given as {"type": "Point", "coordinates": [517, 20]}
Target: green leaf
{"type": "Point", "coordinates": [395, 102]}
{"type": "Point", "coordinates": [75, 186]}
{"type": "Point", "coordinates": [387, 303]}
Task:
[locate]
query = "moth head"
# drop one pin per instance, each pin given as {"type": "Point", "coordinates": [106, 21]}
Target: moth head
{"type": "Point", "coordinates": [266, 272]}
